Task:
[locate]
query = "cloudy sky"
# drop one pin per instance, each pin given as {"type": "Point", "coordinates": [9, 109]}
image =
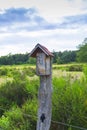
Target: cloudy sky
{"type": "Point", "coordinates": [57, 24]}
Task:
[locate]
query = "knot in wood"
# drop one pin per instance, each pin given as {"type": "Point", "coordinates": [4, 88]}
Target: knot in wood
{"type": "Point", "coordinates": [42, 118]}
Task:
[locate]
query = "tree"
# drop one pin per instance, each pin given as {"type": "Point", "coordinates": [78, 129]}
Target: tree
{"type": "Point", "coordinates": [55, 56]}
{"type": "Point", "coordinates": [14, 59]}
{"type": "Point", "coordinates": [68, 56]}
{"type": "Point", "coordinates": [82, 52]}
{"type": "Point", "coordinates": [64, 57]}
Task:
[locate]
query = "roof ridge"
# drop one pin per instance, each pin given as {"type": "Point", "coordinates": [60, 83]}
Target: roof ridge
{"type": "Point", "coordinates": [43, 48]}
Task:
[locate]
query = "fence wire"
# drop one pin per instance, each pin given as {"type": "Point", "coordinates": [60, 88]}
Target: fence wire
{"type": "Point", "coordinates": [53, 121]}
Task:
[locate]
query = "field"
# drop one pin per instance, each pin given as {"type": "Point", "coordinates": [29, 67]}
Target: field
{"type": "Point", "coordinates": [19, 97]}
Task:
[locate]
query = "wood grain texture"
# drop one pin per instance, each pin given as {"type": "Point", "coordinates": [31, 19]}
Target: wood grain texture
{"type": "Point", "coordinates": [45, 105]}
{"type": "Point", "coordinates": [43, 64]}
{"type": "Point", "coordinates": [44, 70]}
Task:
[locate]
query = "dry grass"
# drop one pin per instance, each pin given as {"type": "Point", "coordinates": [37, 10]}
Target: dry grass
{"type": "Point", "coordinates": [73, 76]}
{"type": "Point", "coordinates": [4, 79]}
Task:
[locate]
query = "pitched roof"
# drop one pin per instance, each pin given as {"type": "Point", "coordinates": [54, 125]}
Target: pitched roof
{"type": "Point", "coordinates": [40, 48]}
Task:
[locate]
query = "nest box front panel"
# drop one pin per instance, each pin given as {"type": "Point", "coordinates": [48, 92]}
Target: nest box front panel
{"type": "Point", "coordinates": [48, 65]}
{"type": "Point", "coordinates": [43, 64]}
{"type": "Point", "coordinates": [40, 67]}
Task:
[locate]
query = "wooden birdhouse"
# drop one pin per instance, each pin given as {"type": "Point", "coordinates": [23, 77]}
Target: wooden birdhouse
{"type": "Point", "coordinates": [43, 59]}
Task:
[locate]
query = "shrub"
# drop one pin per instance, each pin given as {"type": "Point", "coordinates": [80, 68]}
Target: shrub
{"type": "Point", "coordinates": [17, 91]}
{"type": "Point", "coordinates": [70, 102]}
{"type": "Point", "coordinates": [14, 92]}
{"type": "Point", "coordinates": [85, 71]}
{"type": "Point", "coordinates": [4, 123]}
{"type": "Point", "coordinates": [29, 71]}
{"type": "Point", "coordinates": [30, 111]}
{"type": "Point", "coordinates": [75, 68]}
{"type": "Point", "coordinates": [3, 71]}
{"type": "Point", "coordinates": [19, 119]}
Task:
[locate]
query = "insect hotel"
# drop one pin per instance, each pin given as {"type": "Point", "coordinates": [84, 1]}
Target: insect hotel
{"type": "Point", "coordinates": [44, 70]}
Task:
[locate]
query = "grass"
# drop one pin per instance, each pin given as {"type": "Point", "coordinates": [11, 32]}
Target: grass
{"type": "Point", "coordinates": [69, 100]}
{"type": "Point", "coordinates": [72, 75]}
{"type": "Point", "coordinates": [58, 71]}
{"type": "Point", "coordinates": [4, 79]}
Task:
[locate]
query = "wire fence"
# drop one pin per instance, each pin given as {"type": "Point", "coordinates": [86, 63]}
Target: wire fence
{"type": "Point", "coordinates": [59, 125]}
{"type": "Point", "coordinates": [69, 125]}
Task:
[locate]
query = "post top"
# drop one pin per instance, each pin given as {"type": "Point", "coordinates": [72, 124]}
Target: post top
{"type": "Point", "coordinates": [40, 48]}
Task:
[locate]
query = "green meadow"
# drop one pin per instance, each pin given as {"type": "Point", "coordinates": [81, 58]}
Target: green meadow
{"type": "Point", "coordinates": [19, 97]}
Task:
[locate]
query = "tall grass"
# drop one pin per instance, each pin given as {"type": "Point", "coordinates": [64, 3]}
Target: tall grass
{"type": "Point", "coordinates": [85, 71]}
{"type": "Point", "coordinates": [70, 102]}
{"type": "Point", "coordinates": [19, 99]}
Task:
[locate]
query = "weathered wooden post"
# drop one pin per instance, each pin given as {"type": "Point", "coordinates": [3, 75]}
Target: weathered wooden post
{"type": "Point", "coordinates": [44, 70]}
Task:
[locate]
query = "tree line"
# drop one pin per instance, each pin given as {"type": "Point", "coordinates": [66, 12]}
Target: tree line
{"type": "Point", "coordinates": [64, 57]}
{"type": "Point", "coordinates": [16, 59]}
{"type": "Point", "coordinates": [80, 55]}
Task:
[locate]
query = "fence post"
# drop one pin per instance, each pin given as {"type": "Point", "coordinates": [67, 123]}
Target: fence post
{"type": "Point", "coordinates": [44, 70]}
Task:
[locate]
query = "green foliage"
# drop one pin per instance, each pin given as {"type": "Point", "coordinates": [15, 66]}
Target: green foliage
{"type": "Point", "coordinates": [31, 60]}
{"type": "Point", "coordinates": [18, 98]}
{"type": "Point", "coordinates": [4, 123]}
{"type": "Point", "coordinates": [14, 59]}
{"type": "Point", "coordinates": [30, 113]}
{"type": "Point", "coordinates": [75, 68]}
{"type": "Point", "coordinates": [19, 104]}
{"type": "Point", "coordinates": [30, 107]}
{"type": "Point", "coordinates": [32, 87]}
{"type": "Point", "coordinates": [68, 56]}
{"type": "Point", "coordinates": [3, 71]}
{"type": "Point", "coordinates": [70, 102]}
{"type": "Point", "coordinates": [29, 71]}
{"type": "Point", "coordinates": [85, 71]}
{"type": "Point", "coordinates": [69, 67]}
{"type": "Point", "coordinates": [15, 119]}
{"type": "Point", "coordinates": [17, 59]}
{"type": "Point", "coordinates": [61, 67]}
{"type": "Point", "coordinates": [64, 57]}
{"type": "Point", "coordinates": [82, 52]}
{"type": "Point", "coordinates": [17, 90]}
{"type": "Point", "coordinates": [12, 93]}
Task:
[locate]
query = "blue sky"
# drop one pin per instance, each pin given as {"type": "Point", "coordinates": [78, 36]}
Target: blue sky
{"type": "Point", "coordinates": [58, 25]}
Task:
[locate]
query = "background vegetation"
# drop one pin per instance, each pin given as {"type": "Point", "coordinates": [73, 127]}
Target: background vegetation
{"type": "Point", "coordinates": [19, 91]}
{"type": "Point", "coordinates": [19, 97]}
{"type": "Point", "coordinates": [80, 55]}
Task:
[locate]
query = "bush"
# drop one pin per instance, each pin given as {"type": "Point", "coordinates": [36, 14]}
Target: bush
{"type": "Point", "coordinates": [70, 102]}
{"type": "Point", "coordinates": [17, 91]}
{"type": "Point", "coordinates": [4, 123]}
{"type": "Point", "coordinates": [14, 92]}
{"type": "Point", "coordinates": [18, 101]}
{"type": "Point", "coordinates": [85, 71]}
{"type": "Point", "coordinates": [75, 68]}
{"type": "Point", "coordinates": [30, 113]}
{"type": "Point", "coordinates": [17, 119]}
{"type": "Point", "coordinates": [29, 71]}
{"type": "Point", "coordinates": [3, 71]}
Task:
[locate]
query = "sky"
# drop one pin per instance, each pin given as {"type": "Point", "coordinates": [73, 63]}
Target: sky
{"type": "Point", "coordinates": [59, 25]}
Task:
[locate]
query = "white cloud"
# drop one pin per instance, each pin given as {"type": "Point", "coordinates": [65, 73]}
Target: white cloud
{"type": "Point", "coordinates": [58, 40]}
{"type": "Point", "coordinates": [50, 9]}
{"type": "Point", "coordinates": [23, 40]}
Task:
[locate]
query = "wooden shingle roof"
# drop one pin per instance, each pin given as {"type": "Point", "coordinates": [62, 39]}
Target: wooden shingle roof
{"type": "Point", "coordinates": [40, 48]}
